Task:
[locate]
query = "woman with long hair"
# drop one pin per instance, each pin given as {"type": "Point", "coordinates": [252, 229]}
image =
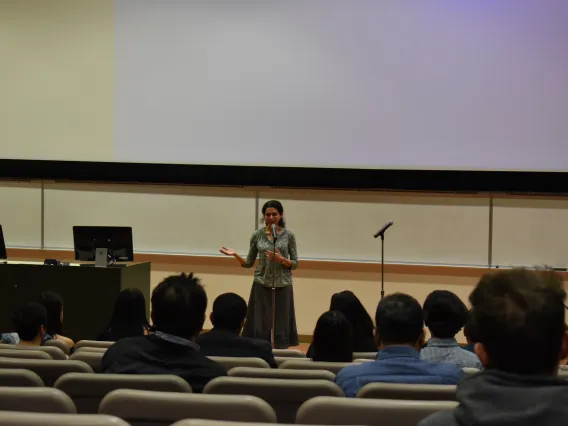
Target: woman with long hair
{"type": "Point", "coordinates": [333, 338]}
{"type": "Point", "coordinates": [53, 304]}
{"type": "Point", "coordinates": [128, 317]}
{"type": "Point", "coordinates": [274, 267]}
{"type": "Point", "coordinates": [363, 329]}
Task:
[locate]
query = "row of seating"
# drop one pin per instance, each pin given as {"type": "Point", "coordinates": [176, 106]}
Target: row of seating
{"type": "Point", "coordinates": [140, 407]}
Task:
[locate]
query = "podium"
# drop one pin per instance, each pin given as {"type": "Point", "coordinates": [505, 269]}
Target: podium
{"type": "Point", "coordinates": [89, 293]}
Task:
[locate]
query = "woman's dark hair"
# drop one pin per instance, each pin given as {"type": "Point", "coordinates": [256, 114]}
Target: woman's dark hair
{"type": "Point", "coordinates": [333, 338]}
{"type": "Point", "coordinates": [351, 307]}
{"type": "Point", "coordinates": [129, 316]}
{"type": "Point", "coordinates": [53, 304]}
{"type": "Point", "coordinates": [275, 204]}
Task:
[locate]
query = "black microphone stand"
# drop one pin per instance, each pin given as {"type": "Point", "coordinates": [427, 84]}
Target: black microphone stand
{"type": "Point", "coordinates": [272, 336]}
{"type": "Point", "coordinates": [382, 265]}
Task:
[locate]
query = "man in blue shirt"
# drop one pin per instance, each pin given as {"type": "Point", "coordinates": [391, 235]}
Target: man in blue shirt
{"type": "Point", "coordinates": [400, 333]}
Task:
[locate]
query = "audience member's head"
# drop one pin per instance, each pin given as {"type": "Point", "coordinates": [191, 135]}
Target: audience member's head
{"type": "Point", "coordinates": [399, 321]}
{"type": "Point", "coordinates": [351, 307]}
{"type": "Point", "coordinates": [470, 330]}
{"type": "Point", "coordinates": [333, 338]}
{"type": "Point", "coordinates": [229, 312]}
{"type": "Point", "coordinates": [53, 304]}
{"type": "Point", "coordinates": [178, 306]}
{"type": "Point", "coordinates": [444, 314]}
{"type": "Point", "coordinates": [30, 322]}
{"type": "Point", "coordinates": [129, 315]}
{"type": "Point", "coordinates": [519, 315]}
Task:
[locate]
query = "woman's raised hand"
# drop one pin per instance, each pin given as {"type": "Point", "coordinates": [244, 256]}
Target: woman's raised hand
{"type": "Point", "coordinates": [227, 251]}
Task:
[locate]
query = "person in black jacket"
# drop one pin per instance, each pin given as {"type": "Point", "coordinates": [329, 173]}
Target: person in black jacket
{"type": "Point", "coordinates": [178, 314]}
{"type": "Point", "coordinates": [228, 319]}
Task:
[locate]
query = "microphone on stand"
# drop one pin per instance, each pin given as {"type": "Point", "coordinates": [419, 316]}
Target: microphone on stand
{"type": "Point", "coordinates": [274, 233]}
{"type": "Point", "coordinates": [272, 331]}
{"type": "Point", "coordinates": [381, 231]}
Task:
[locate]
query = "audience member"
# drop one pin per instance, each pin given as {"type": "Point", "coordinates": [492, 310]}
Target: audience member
{"type": "Point", "coordinates": [520, 319]}
{"type": "Point", "coordinates": [228, 319]}
{"type": "Point", "coordinates": [178, 314]}
{"type": "Point", "coordinates": [470, 332]}
{"type": "Point", "coordinates": [363, 330]}
{"type": "Point", "coordinates": [400, 333]}
{"type": "Point", "coordinates": [128, 317]}
{"type": "Point", "coordinates": [53, 304]}
{"type": "Point", "coordinates": [445, 315]}
{"type": "Point", "coordinates": [30, 322]}
{"type": "Point", "coordinates": [333, 338]}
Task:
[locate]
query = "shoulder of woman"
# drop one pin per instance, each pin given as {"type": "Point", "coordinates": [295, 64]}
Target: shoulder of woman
{"type": "Point", "coordinates": [290, 233]}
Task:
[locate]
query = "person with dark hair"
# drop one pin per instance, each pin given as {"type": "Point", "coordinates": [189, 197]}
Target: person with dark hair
{"type": "Point", "coordinates": [178, 314]}
{"type": "Point", "coordinates": [400, 334]}
{"type": "Point", "coordinates": [30, 322]}
{"type": "Point", "coordinates": [445, 315]}
{"type": "Point", "coordinates": [128, 317]}
{"type": "Point", "coordinates": [470, 332]}
{"type": "Point", "coordinates": [333, 338]}
{"type": "Point", "coordinates": [351, 307]}
{"type": "Point", "coordinates": [520, 317]}
{"type": "Point", "coordinates": [228, 319]}
{"type": "Point", "coordinates": [53, 304]}
{"type": "Point", "coordinates": [274, 268]}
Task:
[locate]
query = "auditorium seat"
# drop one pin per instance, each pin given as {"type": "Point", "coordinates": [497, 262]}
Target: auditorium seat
{"type": "Point", "coordinates": [49, 371]}
{"type": "Point", "coordinates": [282, 359]}
{"type": "Point", "coordinates": [470, 371]}
{"type": "Point", "coordinates": [284, 395]}
{"type": "Point", "coordinates": [279, 373]}
{"type": "Point", "coordinates": [19, 378]}
{"type": "Point", "coordinates": [201, 422]}
{"type": "Point", "coordinates": [88, 390]}
{"type": "Point", "coordinates": [377, 412]}
{"type": "Point", "coordinates": [145, 408]}
{"type": "Point", "coordinates": [92, 358]}
{"type": "Point", "coordinates": [231, 362]}
{"type": "Point", "coordinates": [288, 353]}
{"type": "Point", "coordinates": [422, 392]}
{"type": "Point", "coordinates": [55, 353]}
{"type": "Point", "coordinates": [92, 344]}
{"type": "Point", "coordinates": [89, 349]}
{"type": "Point", "coordinates": [36, 400]}
{"type": "Point", "coordinates": [8, 418]}
{"type": "Point", "coordinates": [14, 353]}
{"type": "Point", "coordinates": [58, 344]}
{"type": "Point", "coordinates": [365, 355]}
{"type": "Point", "coordinates": [334, 367]}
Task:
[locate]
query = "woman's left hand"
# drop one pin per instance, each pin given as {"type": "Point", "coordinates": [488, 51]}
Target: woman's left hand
{"type": "Point", "coordinates": [279, 257]}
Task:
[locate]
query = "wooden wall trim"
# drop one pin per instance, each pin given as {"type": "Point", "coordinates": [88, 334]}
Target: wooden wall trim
{"type": "Point", "coordinates": [313, 265]}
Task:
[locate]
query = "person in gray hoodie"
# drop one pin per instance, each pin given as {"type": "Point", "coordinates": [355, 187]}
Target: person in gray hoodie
{"type": "Point", "coordinates": [519, 316]}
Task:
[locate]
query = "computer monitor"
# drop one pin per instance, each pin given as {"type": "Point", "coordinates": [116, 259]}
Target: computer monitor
{"type": "Point", "coordinates": [3, 254]}
{"type": "Point", "coordinates": [117, 239]}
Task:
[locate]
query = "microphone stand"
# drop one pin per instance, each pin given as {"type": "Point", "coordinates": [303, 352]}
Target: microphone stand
{"type": "Point", "coordinates": [272, 337]}
{"type": "Point", "coordinates": [382, 265]}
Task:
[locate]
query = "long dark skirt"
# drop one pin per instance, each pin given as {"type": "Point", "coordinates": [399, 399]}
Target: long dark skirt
{"type": "Point", "coordinates": [259, 316]}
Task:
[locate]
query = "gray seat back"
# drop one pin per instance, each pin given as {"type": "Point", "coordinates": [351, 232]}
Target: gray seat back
{"type": "Point", "coordinates": [279, 373]}
{"type": "Point", "coordinates": [408, 391]}
{"type": "Point", "coordinates": [35, 400]}
{"type": "Point", "coordinates": [19, 378]}
{"type": "Point", "coordinates": [58, 344]}
{"type": "Point", "coordinates": [8, 418]}
{"type": "Point", "coordinates": [15, 353]}
{"type": "Point", "coordinates": [334, 367]}
{"type": "Point", "coordinates": [145, 408]}
{"type": "Point", "coordinates": [88, 390]}
{"type": "Point", "coordinates": [284, 395]}
{"type": "Point", "coordinates": [55, 353]}
{"type": "Point", "coordinates": [91, 358]}
{"type": "Point", "coordinates": [49, 371]}
{"type": "Point", "coordinates": [92, 344]}
{"type": "Point", "coordinates": [231, 362]}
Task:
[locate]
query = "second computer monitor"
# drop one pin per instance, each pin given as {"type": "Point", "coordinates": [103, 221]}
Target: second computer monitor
{"type": "Point", "coordinates": [117, 239]}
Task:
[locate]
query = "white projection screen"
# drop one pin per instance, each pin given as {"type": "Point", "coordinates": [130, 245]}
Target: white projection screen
{"type": "Point", "coordinates": [413, 84]}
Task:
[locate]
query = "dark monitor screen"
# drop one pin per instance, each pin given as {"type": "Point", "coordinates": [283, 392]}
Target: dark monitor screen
{"type": "Point", "coordinates": [117, 239]}
{"type": "Point", "coordinates": [3, 254]}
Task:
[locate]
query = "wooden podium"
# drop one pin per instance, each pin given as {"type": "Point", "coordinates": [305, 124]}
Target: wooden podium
{"type": "Point", "coordinates": [88, 292]}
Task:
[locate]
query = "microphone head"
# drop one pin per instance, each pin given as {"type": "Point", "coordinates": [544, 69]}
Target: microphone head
{"type": "Point", "coordinates": [273, 226]}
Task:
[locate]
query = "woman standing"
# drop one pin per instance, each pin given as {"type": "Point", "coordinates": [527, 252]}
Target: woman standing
{"type": "Point", "coordinates": [277, 266]}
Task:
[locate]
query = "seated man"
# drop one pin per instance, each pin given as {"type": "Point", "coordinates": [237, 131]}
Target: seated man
{"type": "Point", "coordinates": [520, 320]}
{"type": "Point", "coordinates": [30, 322]}
{"type": "Point", "coordinates": [445, 315]}
{"type": "Point", "coordinates": [178, 313]}
{"type": "Point", "coordinates": [400, 333]}
{"type": "Point", "coordinates": [228, 319]}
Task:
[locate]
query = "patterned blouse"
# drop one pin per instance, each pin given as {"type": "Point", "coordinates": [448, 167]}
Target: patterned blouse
{"type": "Point", "coordinates": [259, 245]}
